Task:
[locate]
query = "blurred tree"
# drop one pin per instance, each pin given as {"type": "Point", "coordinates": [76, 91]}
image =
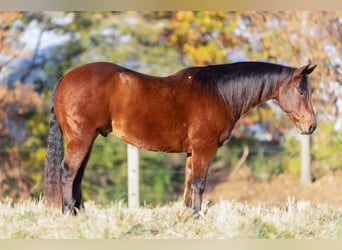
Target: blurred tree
{"type": "Point", "coordinates": [9, 33]}
{"type": "Point", "coordinates": [16, 105]}
{"type": "Point", "coordinates": [326, 160]}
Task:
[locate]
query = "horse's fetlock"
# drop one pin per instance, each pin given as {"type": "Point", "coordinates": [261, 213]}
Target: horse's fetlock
{"type": "Point", "coordinates": [201, 185]}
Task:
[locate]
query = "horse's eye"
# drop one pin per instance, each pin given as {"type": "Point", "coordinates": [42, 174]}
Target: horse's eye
{"type": "Point", "coordinates": [301, 92]}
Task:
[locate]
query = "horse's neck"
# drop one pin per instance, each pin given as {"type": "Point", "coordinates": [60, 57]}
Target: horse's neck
{"type": "Point", "coordinates": [261, 93]}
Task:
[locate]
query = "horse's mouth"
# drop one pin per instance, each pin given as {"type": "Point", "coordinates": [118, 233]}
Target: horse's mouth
{"type": "Point", "coordinates": [307, 129]}
{"type": "Point", "coordinates": [303, 128]}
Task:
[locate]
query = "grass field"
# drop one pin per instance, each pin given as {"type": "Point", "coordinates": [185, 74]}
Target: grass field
{"type": "Point", "coordinates": [223, 220]}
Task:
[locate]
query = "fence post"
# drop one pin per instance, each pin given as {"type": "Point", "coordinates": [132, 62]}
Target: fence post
{"type": "Point", "coordinates": [133, 176]}
{"type": "Point", "coordinates": [305, 176]}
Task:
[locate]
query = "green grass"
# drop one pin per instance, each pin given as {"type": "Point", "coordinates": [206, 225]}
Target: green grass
{"type": "Point", "coordinates": [294, 220]}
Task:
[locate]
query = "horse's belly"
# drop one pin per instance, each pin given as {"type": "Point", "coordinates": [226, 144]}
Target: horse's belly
{"type": "Point", "coordinates": [153, 139]}
{"type": "Point", "coordinates": [150, 117]}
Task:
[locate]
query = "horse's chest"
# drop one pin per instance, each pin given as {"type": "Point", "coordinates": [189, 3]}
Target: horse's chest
{"type": "Point", "coordinates": [225, 136]}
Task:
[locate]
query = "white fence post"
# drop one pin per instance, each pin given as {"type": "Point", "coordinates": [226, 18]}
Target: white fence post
{"type": "Point", "coordinates": [133, 176]}
{"type": "Point", "coordinates": [305, 175]}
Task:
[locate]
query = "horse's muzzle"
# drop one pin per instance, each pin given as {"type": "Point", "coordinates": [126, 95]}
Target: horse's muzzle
{"type": "Point", "coordinates": [307, 129]}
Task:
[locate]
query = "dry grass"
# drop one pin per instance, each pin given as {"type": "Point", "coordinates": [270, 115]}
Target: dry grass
{"type": "Point", "coordinates": [34, 220]}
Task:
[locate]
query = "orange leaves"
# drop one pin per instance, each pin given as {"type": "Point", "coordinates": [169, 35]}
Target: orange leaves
{"type": "Point", "coordinates": [7, 18]}
{"type": "Point", "coordinates": [7, 35]}
{"type": "Point", "coordinates": [16, 102]}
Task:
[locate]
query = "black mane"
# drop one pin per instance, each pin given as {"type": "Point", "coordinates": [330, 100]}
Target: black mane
{"type": "Point", "coordinates": [243, 84]}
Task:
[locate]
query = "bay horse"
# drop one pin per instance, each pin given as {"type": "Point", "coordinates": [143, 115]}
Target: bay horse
{"type": "Point", "coordinates": [191, 111]}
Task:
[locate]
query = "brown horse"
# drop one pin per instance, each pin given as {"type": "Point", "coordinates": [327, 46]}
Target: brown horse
{"type": "Point", "coordinates": [192, 111]}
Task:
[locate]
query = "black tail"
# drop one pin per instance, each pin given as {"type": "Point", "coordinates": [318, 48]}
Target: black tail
{"type": "Point", "coordinates": [54, 158]}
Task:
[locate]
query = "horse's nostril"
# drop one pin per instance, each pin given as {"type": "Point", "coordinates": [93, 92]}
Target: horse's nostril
{"type": "Point", "coordinates": [312, 128]}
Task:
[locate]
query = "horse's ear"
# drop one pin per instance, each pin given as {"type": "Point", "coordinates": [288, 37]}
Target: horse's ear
{"type": "Point", "coordinates": [308, 69]}
{"type": "Point", "coordinates": [305, 70]}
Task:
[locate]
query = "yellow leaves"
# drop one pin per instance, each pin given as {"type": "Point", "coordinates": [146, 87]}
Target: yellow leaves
{"type": "Point", "coordinates": [203, 55]}
{"type": "Point", "coordinates": [173, 38]}
{"type": "Point", "coordinates": [41, 154]}
{"type": "Point", "coordinates": [218, 24]}
{"type": "Point", "coordinates": [200, 35]}
{"type": "Point", "coordinates": [200, 55]}
{"type": "Point", "coordinates": [184, 15]}
{"type": "Point", "coordinates": [98, 15]}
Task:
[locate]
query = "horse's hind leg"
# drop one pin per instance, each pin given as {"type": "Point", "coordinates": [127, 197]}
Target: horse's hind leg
{"type": "Point", "coordinates": [76, 157]}
{"type": "Point", "coordinates": [77, 189]}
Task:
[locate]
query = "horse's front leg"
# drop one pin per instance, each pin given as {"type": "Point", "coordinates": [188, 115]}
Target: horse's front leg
{"type": "Point", "coordinates": [197, 175]}
{"type": "Point", "coordinates": [188, 181]}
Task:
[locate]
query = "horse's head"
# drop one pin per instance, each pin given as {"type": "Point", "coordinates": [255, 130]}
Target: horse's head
{"type": "Point", "coordinates": [295, 100]}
